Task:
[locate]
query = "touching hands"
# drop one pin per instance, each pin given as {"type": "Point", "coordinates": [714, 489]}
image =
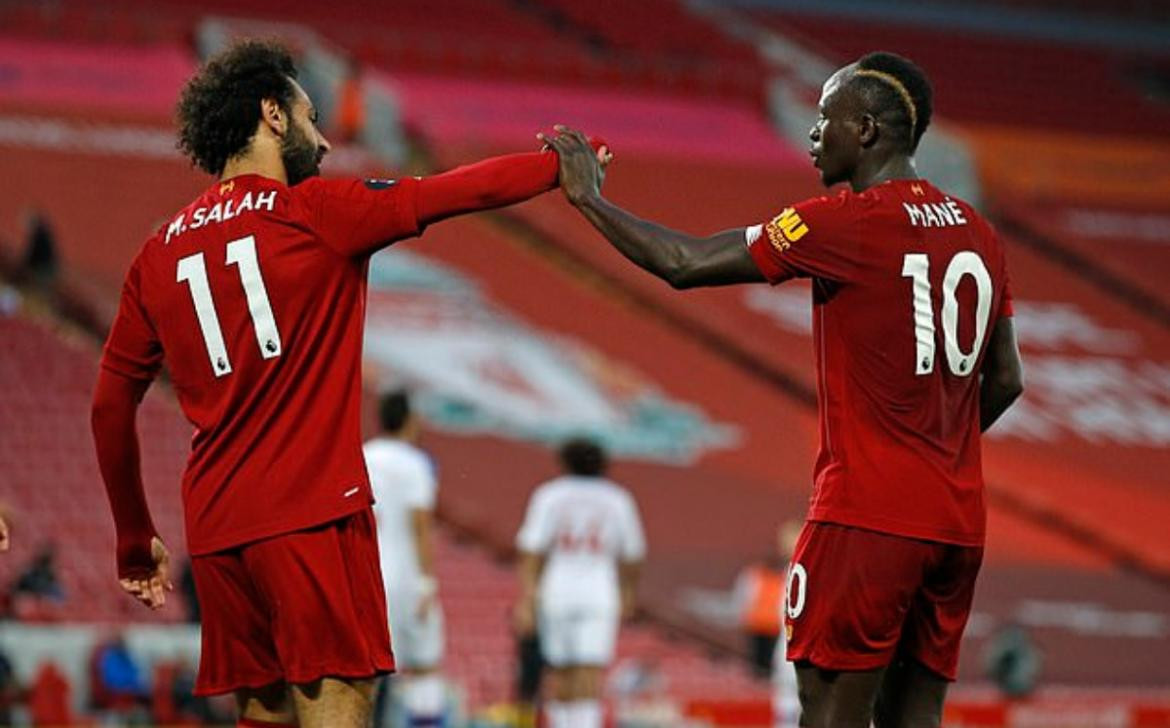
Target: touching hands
{"type": "Point", "coordinates": [151, 589]}
{"type": "Point", "coordinates": [582, 163]}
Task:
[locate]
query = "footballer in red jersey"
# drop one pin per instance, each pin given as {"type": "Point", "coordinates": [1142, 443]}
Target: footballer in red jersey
{"type": "Point", "coordinates": [916, 354]}
{"type": "Point", "coordinates": [254, 297]}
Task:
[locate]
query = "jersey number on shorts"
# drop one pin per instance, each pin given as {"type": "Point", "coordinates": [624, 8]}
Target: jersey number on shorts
{"type": "Point", "coordinates": [916, 266]}
{"type": "Point", "coordinates": [242, 254]}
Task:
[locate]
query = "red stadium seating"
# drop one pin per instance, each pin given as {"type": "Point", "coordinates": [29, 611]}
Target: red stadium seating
{"type": "Point", "coordinates": [1152, 10]}
{"type": "Point", "coordinates": [463, 37]}
{"type": "Point", "coordinates": [989, 79]}
{"type": "Point", "coordinates": [48, 472]}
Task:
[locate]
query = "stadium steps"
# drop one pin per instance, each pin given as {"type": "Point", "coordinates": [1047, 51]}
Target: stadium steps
{"type": "Point", "coordinates": [987, 79]}
{"type": "Point", "coordinates": [48, 472]}
{"type": "Point", "coordinates": [535, 40]}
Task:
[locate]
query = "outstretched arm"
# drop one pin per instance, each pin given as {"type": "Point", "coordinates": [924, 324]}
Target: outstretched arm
{"type": "Point", "coordinates": [1002, 375]}
{"type": "Point", "coordinates": [492, 183]}
{"type": "Point", "coordinates": [359, 217]}
{"type": "Point", "coordinates": [485, 185]}
{"type": "Point", "coordinates": [683, 261]}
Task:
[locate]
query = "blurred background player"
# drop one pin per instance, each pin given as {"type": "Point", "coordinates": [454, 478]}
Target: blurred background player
{"type": "Point", "coordinates": [403, 480]}
{"type": "Point", "coordinates": [884, 573]}
{"type": "Point", "coordinates": [758, 592]}
{"type": "Point", "coordinates": [255, 295]}
{"type": "Point", "coordinates": [785, 693]}
{"type": "Point", "coordinates": [581, 548]}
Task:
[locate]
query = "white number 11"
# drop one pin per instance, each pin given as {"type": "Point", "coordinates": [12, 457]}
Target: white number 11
{"type": "Point", "coordinates": [916, 266]}
{"type": "Point", "coordinates": [241, 253]}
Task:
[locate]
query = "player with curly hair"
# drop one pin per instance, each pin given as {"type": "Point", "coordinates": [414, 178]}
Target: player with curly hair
{"type": "Point", "coordinates": [254, 296]}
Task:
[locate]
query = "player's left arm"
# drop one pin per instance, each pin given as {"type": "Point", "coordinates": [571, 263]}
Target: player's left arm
{"type": "Point", "coordinates": [359, 217]}
{"type": "Point", "coordinates": [1002, 376]}
{"type": "Point", "coordinates": [682, 260]}
{"type": "Point", "coordinates": [494, 182]}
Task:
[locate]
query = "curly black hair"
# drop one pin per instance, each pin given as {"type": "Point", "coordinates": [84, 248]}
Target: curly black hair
{"type": "Point", "coordinates": [220, 106]}
{"type": "Point", "coordinates": [582, 456]}
{"type": "Point", "coordinates": [912, 108]}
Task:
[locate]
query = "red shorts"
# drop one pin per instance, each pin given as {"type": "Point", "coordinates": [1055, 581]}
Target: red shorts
{"type": "Point", "coordinates": [857, 598]}
{"type": "Point", "coordinates": [294, 608]}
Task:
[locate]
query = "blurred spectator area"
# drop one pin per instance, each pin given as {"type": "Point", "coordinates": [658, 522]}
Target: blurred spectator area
{"type": "Point", "coordinates": [48, 472]}
{"type": "Point", "coordinates": [655, 43]}
{"type": "Point", "coordinates": [984, 77]}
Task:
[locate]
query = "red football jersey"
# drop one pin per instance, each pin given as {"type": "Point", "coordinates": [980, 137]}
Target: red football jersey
{"type": "Point", "coordinates": [908, 283]}
{"type": "Point", "coordinates": [254, 294]}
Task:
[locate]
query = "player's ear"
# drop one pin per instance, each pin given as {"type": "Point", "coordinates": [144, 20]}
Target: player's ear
{"type": "Point", "coordinates": [274, 116]}
{"type": "Point", "coordinates": [867, 130]}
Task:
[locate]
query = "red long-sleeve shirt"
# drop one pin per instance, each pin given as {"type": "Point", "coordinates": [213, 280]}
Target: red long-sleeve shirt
{"type": "Point", "coordinates": [254, 295]}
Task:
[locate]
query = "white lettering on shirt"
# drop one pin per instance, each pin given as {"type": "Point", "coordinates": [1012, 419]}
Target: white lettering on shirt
{"type": "Point", "coordinates": [175, 228]}
{"type": "Point", "coordinates": [221, 212]}
{"type": "Point", "coordinates": [935, 214]}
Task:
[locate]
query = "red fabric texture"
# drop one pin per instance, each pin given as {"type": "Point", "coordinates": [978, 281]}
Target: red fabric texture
{"type": "Point", "coordinates": [899, 445]}
{"type": "Point", "coordinates": [267, 607]}
{"type": "Point", "coordinates": [484, 185]}
{"type": "Point", "coordinates": [857, 598]}
{"type": "Point", "coordinates": [251, 250]}
{"type": "Point", "coordinates": [115, 404]}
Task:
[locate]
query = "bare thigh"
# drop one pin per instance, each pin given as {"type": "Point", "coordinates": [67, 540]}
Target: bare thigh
{"type": "Point", "coordinates": [270, 704]}
{"type": "Point", "coordinates": [334, 703]}
{"type": "Point", "coordinates": [911, 696]}
{"type": "Point", "coordinates": [836, 699]}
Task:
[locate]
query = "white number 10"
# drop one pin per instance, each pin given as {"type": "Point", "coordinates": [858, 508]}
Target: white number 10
{"type": "Point", "coordinates": [966, 263]}
{"type": "Point", "coordinates": [241, 253]}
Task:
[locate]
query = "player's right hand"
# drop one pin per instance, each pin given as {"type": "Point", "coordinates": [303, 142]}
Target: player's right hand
{"type": "Point", "coordinates": [151, 589]}
{"type": "Point", "coordinates": [4, 542]}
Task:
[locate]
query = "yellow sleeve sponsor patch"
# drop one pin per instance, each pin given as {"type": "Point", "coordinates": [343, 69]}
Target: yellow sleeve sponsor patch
{"type": "Point", "coordinates": [785, 229]}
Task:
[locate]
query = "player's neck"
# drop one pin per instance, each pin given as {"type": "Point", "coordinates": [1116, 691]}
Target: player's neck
{"type": "Point", "coordinates": [261, 159]}
{"type": "Point", "coordinates": [894, 167]}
